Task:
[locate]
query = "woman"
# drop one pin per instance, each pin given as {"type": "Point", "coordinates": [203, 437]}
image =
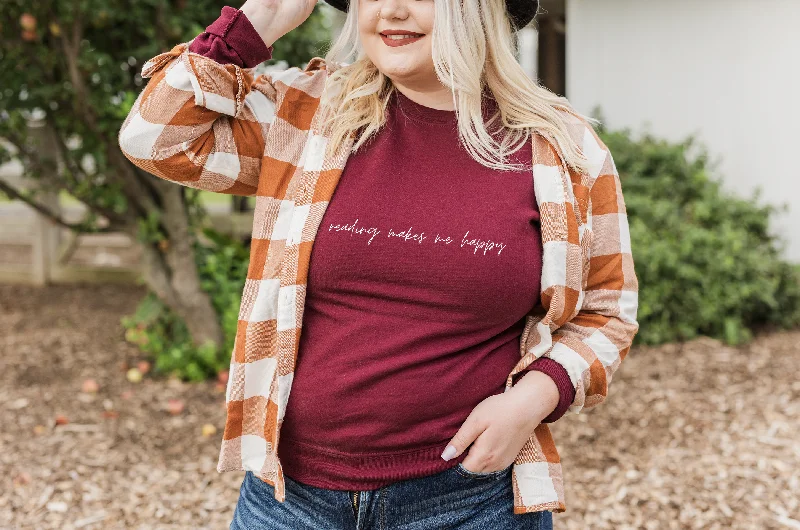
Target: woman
{"type": "Point", "coordinates": [452, 307]}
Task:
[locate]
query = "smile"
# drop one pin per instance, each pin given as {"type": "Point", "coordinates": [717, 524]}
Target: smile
{"type": "Point", "coordinates": [401, 39]}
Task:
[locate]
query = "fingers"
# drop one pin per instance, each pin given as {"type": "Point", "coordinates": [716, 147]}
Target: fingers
{"type": "Point", "coordinates": [468, 433]}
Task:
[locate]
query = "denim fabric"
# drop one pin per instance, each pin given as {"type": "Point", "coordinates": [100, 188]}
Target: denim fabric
{"type": "Point", "coordinates": [456, 499]}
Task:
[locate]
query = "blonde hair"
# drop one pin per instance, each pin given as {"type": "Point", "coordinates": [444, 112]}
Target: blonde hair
{"type": "Point", "coordinates": [473, 50]}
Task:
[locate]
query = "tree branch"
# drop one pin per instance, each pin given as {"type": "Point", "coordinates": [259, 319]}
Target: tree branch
{"type": "Point", "coordinates": [72, 50]}
{"type": "Point", "coordinates": [131, 181]}
{"type": "Point", "coordinates": [73, 168]}
{"type": "Point", "coordinates": [44, 210]}
{"type": "Point", "coordinates": [134, 187]}
{"type": "Point", "coordinates": [115, 220]}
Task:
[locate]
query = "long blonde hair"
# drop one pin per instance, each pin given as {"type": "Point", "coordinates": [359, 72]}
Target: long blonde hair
{"type": "Point", "coordinates": [473, 49]}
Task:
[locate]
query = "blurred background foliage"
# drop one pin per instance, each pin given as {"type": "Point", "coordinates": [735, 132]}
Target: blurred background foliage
{"type": "Point", "coordinates": [45, 67]}
{"type": "Point", "coordinates": [73, 68]}
{"type": "Point", "coordinates": [706, 261]}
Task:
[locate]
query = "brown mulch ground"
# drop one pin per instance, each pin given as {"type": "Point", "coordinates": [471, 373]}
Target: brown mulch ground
{"type": "Point", "coordinates": [698, 436]}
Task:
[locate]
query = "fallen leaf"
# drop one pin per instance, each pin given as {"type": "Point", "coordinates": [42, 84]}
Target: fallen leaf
{"type": "Point", "coordinates": [143, 366]}
{"type": "Point", "coordinates": [22, 478]}
{"type": "Point", "coordinates": [57, 506]}
{"type": "Point", "coordinates": [134, 375]}
{"type": "Point", "coordinates": [209, 430]}
{"type": "Point", "coordinates": [61, 420]}
{"type": "Point", "coordinates": [175, 406]}
{"type": "Point", "coordinates": [17, 404]}
{"type": "Point", "coordinates": [90, 386]}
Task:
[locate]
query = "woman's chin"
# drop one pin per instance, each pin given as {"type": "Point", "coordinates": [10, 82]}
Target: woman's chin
{"type": "Point", "coordinates": [399, 70]}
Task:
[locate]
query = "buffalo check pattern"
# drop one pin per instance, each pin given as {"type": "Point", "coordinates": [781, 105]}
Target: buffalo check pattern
{"type": "Point", "coordinates": [220, 128]}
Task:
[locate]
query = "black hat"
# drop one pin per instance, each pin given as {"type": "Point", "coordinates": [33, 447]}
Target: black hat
{"type": "Point", "coordinates": [521, 12]}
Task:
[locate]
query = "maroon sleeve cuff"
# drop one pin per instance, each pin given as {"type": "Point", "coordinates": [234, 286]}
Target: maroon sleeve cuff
{"type": "Point", "coordinates": [232, 39]}
{"type": "Point", "coordinates": [560, 376]}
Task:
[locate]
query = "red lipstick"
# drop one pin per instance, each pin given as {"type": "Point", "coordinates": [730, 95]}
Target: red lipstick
{"type": "Point", "coordinates": [408, 37]}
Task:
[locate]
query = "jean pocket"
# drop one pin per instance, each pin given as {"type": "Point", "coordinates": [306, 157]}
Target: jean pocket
{"type": "Point", "coordinates": [466, 473]}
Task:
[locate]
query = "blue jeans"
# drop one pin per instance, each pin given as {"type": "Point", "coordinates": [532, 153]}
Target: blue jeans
{"type": "Point", "coordinates": [456, 499]}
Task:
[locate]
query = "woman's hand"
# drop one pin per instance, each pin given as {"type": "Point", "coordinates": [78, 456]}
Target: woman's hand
{"type": "Point", "coordinates": [501, 424]}
{"type": "Point", "coordinates": [275, 18]}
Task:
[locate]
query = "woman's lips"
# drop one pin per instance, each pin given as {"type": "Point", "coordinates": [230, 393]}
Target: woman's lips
{"type": "Point", "coordinates": [400, 42]}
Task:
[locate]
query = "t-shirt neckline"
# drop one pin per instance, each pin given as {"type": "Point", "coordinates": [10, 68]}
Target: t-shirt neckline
{"type": "Point", "coordinates": [420, 112]}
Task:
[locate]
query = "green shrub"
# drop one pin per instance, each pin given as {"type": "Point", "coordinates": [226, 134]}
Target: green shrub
{"type": "Point", "coordinates": [162, 335]}
{"type": "Point", "coordinates": [706, 262]}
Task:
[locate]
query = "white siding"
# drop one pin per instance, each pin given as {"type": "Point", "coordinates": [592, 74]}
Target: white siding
{"type": "Point", "coordinates": [728, 70]}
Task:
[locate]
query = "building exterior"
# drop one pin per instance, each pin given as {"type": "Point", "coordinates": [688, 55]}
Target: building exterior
{"type": "Point", "coordinates": [726, 71]}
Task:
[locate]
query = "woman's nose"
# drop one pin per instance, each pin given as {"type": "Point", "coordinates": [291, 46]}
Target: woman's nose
{"type": "Point", "coordinates": [393, 9]}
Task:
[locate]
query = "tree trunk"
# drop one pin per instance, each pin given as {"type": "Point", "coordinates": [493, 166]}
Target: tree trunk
{"type": "Point", "coordinates": [171, 271]}
{"type": "Point", "coordinates": [184, 297]}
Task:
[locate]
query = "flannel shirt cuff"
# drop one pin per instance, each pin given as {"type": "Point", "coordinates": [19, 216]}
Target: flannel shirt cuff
{"type": "Point", "coordinates": [232, 39]}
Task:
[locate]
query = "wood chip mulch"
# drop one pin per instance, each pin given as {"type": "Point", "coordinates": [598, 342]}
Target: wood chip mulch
{"type": "Point", "coordinates": [698, 435]}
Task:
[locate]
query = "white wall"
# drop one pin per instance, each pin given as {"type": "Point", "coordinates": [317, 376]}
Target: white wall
{"type": "Point", "coordinates": [528, 49]}
{"type": "Point", "coordinates": [728, 70]}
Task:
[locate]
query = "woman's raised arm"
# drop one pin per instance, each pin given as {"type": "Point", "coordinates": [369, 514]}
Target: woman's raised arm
{"type": "Point", "coordinates": [202, 119]}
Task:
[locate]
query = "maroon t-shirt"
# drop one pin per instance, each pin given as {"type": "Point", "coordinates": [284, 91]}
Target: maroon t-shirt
{"type": "Point", "coordinates": [435, 258]}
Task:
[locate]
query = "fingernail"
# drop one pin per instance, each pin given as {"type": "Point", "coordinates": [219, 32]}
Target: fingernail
{"type": "Point", "coordinates": [449, 452]}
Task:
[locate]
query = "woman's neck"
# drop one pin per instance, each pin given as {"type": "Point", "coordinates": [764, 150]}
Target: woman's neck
{"type": "Point", "coordinates": [438, 98]}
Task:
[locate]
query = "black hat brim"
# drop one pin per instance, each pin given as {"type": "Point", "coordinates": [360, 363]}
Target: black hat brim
{"type": "Point", "coordinates": [521, 12]}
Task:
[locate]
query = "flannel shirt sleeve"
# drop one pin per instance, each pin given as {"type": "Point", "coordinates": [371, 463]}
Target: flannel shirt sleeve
{"type": "Point", "coordinates": [199, 123]}
{"type": "Point", "coordinates": [594, 342]}
{"type": "Point", "coordinates": [202, 121]}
